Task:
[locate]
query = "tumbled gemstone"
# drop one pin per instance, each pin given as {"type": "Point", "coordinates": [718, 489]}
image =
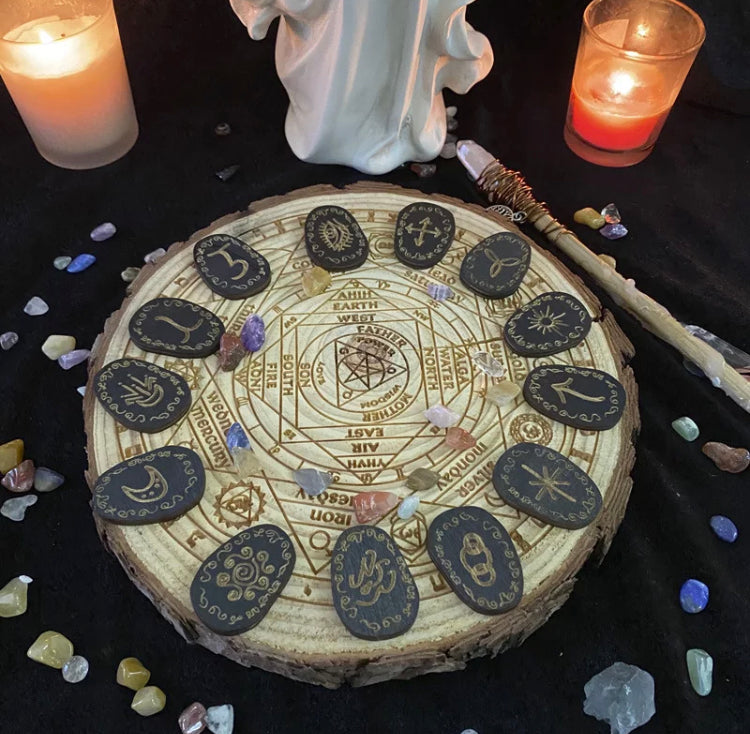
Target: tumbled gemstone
{"type": "Point", "coordinates": [193, 719]}
{"type": "Point", "coordinates": [488, 364]}
{"type": "Point", "coordinates": [62, 262]}
{"type": "Point", "coordinates": [35, 307]}
{"type": "Point", "coordinates": [11, 454]}
{"type": "Point", "coordinates": [424, 170]}
{"type": "Point", "coordinates": [727, 458]}
{"type": "Point", "coordinates": [220, 719]}
{"type": "Point", "coordinates": [315, 281]}
{"type": "Point", "coordinates": [222, 129]}
{"type": "Point", "coordinates": [611, 214]}
{"type": "Point", "coordinates": [700, 667]}
{"type": "Point", "coordinates": [451, 124]}
{"type": "Point", "coordinates": [154, 255]}
{"type": "Point", "coordinates": [502, 393]}
{"type": "Point", "coordinates": [622, 695]}
{"type": "Point", "coordinates": [46, 480]}
{"type": "Point", "coordinates": [408, 507]}
{"type": "Point", "coordinates": [613, 231]}
{"type": "Point", "coordinates": [226, 173]}
{"type": "Point", "coordinates": [103, 232]}
{"type": "Point", "coordinates": [149, 701]}
{"type": "Point", "coordinates": [71, 359]}
{"type": "Point", "coordinates": [724, 528]}
{"type": "Point", "coordinates": [441, 417]}
{"type": "Point", "coordinates": [448, 151]}
{"type": "Point", "coordinates": [313, 481]}
{"type": "Point", "coordinates": [439, 292]}
{"type": "Point", "coordinates": [421, 479]}
{"type": "Point", "coordinates": [13, 597]}
{"type": "Point", "coordinates": [369, 506]}
{"type": "Point", "coordinates": [15, 508]}
{"type": "Point", "coordinates": [608, 260]}
{"type": "Point", "coordinates": [686, 427]}
{"type": "Point", "coordinates": [56, 345]}
{"type": "Point", "coordinates": [451, 111]}
{"type": "Point", "coordinates": [130, 274]}
{"type": "Point", "coordinates": [459, 439]}
{"type": "Point", "coordinates": [253, 333]}
{"type": "Point", "coordinates": [132, 674]}
{"type": "Point", "coordinates": [81, 262]}
{"type": "Point", "coordinates": [8, 340]}
{"type": "Point", "coordinates": [20, 478]}
{"type": "Point", "coordinates": [237, 438]}
{"type": "Point", "coordinates": [693, 596]}
{"type": "Point", "coordinates": [590, 217]}
{"type": "Point", "coordinates": [51, 648]}
{"type": "Point", "coordinates": [231, 352]}
{"type": "Point", "coordinates": [75, 669]}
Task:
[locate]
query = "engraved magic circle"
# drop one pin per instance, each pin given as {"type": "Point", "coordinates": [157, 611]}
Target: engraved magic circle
{"type": "Point", "coordinates": [341, 385]}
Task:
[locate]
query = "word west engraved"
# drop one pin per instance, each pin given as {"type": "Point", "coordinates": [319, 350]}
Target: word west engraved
{"type": "Point", "coordinates": [231, 262]}
{"type": "Point", "coordinates": [476, 558]}
{"type": "Point", "coordinates": [155, 490]}
{"type": "Point", "coordinates": [145, 393]}
{"type": "Point", "coordinates": [186, 330]}
{"type": "Point", "coordinates": [372, 580]}
{"type": "Point", "coordinates": [563, 387]}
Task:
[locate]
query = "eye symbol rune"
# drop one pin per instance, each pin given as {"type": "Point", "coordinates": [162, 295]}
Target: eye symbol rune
{"type": "Point", "coordinates": [546, 321]}
{"type": "Point", "coordinates": [231, 262]}
{"type": "Point", "coordinates": [499, 263]}
{"type": "Point", "coordinates": [370, 579]}
{"type": "Point", "coordinates": [335, 234]}
{"type": "Point", "coordinates": [548, 483]}
{"type": "Point", "coordinates": [482, 571]}
{"type": "Point", "coordinates": [186, 330]}
{"type": "Point", "coordinates": [423, 230]}
{"type": "Point", "coordinates": [146, 393]}
{"type": "Point", "coordinates": [155, 489]}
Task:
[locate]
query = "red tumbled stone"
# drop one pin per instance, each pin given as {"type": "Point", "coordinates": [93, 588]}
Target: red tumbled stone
{"type": "Point", "coordinates": [369, 506]}
{"type": "Point", "coordinates": [231, 352]}
{"type": "Point", "coordinates": [459, 439]}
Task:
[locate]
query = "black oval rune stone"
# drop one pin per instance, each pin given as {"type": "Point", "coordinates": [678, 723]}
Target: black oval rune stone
{"type": "Point", "coordinates": [373, 591]}
{"type": "Point", "coordinates": [176, 327]}
{"type": "Point", "coordinates": [142, 396]}
{"type": "Point", "coordinates": [153, 487]}
{"type": "Point", "coordinates": [577, 396]}
{"type": "Point", "coordinates": [424, 233]}
{"type": "Point", "coordinates": [231, 267]}
{"type": "Point", "coordinates": [546, 485]}
{"type": "Point", "coordinates": [551, 323]}
{"type": "Point", "coordinates": [334, 240]}
{"type": "Point", "coordinates": [475, 554]}
{"type": "Point", "coordinates": [496, 266]}
{"type": "Point", "coordinates": [238, 583]}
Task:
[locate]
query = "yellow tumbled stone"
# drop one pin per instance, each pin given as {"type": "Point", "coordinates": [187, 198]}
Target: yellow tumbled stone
{"type": "Point", "coordinates": [51, 648]}
{"type": "Point", "coordinates": [149, 701]}
{"type": "Point", "coordinates": [13, 597]}
{"type": "Point", "coordinates": [502, 393]}
{"type": "Point", "coordinates": [590, 217]}
{"type": "Point", "coordinates": [11, 454]}
{"type": "Point", "coordinates": [609, 260]}
{"type": "Point", "coordinates": [315, 281]}
{"type": "Point", "coordinates": [56, 345]}
{"type": "Point", "coordinates": [132, 674]}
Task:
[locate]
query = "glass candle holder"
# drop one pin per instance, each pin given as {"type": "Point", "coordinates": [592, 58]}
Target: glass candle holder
{"type": "Point", "coordinates": [63, 65]}
{"type": "Point", "coordinates": [633, 57]}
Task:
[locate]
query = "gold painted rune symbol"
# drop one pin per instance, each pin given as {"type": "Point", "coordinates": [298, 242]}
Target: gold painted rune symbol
{"type": "Point", "coordinates": [562, 387]}
{"type": "Point", "coordinates": [423, 231]}
{"type": "Point", "coordinates": [186, 330]}
{"type": "Point", "coordinates": [476, 558]}
{"type": "Point", "coordinates": [499, 263]}
{"type": "Point", "coordinates": [336, 235]}
{"type": "Point", "coordinates": [548, 484]}
{"type": "Point", "coordinates": [231, 262]}
{"type": "Point", "coordinates": [546, 321]}
{"type": "Point", "coordinates": [145, 393]}
{"type": "Point", "coordinates": [156, 488]}
{"type": "Point", "coordinates": [371, 578]}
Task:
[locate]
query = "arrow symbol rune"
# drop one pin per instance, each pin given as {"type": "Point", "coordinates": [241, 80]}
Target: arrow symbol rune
{"type": "Point", "coordinates": [423, 230]}
{"type": "Point", "coordinates": [563, 387]}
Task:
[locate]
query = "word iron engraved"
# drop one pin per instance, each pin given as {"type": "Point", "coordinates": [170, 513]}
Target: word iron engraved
{"type": "Point", "coordinates": [496, 266]}
{"type": "Point", "coordinates": [334, 240]}
{"type": "Point", "coordinates": [374, 593]}
{"type": "Point", "coordinates": [477, 558]}
{"type": "Point", "coordinates": [424, 233]}
{"type": "Point", "coordinates": [230, 267]}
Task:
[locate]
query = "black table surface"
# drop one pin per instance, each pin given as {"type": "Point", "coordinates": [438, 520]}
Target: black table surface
{"type": "Point", "coordinates": [192, 66]}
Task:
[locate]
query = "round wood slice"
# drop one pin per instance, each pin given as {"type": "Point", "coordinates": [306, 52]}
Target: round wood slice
{"type": "Point", "coordinates": [305, 402]}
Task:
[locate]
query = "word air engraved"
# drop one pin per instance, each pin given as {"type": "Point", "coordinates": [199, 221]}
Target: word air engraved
{"type": "Point", "coordinates": [373, 580]}
{"type": "Point", "coordinates": [562, 387]}
{"type": "Point", "coordinates": [231, 262]}
{"type": "Point", "coordinates": [156, 488]}
{"type": "Point", "coordinates": [476, 558]}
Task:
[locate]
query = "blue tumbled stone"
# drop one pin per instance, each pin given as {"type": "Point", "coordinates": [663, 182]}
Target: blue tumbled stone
{"type": "Point", "coordinates": [724, 528]}
{"type": "Point", "coordinates": [613, 231]}
{"type": "Point", "coordinates": [253, 333]}
{"type": "Point", "coordinates": [693, 596]}
{"type": "Point", "coordinates": [237, 438]}
{"type": "Point", "coordinates": [81, 262]}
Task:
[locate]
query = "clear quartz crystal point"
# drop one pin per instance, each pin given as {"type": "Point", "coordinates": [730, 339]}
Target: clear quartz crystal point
{"type": "Point", "coordinates": [473, 157]}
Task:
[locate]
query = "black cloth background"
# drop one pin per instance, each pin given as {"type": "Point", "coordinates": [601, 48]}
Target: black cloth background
{"type": "Point", "coordinates": [192, 66]}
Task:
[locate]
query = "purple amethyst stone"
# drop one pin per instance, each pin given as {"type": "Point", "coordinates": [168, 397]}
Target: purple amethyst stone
{"type": "Point", "coordinates": [253, 333]}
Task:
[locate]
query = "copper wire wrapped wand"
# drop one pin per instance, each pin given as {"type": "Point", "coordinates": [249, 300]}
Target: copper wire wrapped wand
{"type": "Point", "coordinates": [504, 186]}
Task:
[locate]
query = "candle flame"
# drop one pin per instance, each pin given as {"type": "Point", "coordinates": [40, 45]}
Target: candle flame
{"type": "Point", "coordinates": [45, 37]}
{"type": "Point", "coordinates": [621, 83]}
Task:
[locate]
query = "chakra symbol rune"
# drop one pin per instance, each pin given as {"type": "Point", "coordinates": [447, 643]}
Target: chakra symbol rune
{"type": "Point", "coordinates": [548, 484]}
{"type": "Point", "coordinates": [145, 393]}
{"type": "Point", "coordinates": [156, 488]}
{"type": "Point", "coordinates": [563, 387]}
{"type": "Point", "coordinates": [186, 330]}
{"type": "Point", "coordinates": [476, 558]}
{"type": "Point", "coordinates": [546, 321]}
{"type": "Point", "coordinates": [423, 231]}
{"type": "Point", "coordinates": [499, 263]}
{"type": "Point", "coordinates": [231, 262]}
{"type": "Point", "coordinates": [335, 234]}
{"type": "Point", "coordinates": [371, 578]}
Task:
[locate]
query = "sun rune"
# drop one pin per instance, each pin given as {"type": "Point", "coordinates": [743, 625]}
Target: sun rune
{"type": "Point", "coordinates": [548, 483]}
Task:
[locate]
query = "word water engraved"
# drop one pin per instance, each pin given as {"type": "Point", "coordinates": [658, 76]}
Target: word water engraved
{"type": "Point", "coordinates": [176, 327]}
{"type": "Point", "coordinates": [373, 591]}
{"type": "Point", "coordinates": [546, 485]}
{"type": "Point", "coordinates": [496, 266]}
{"type": "Point", "coordinates": [424, 233]}
{"type": "Point", "coordinates": [238, 583]}
{"type": "Point", "coordinates": [153, 487]}
{"type": "Point", "coordinates": [231, 267]}
{"type": "Point", "coordinates": [334, 240]}
{"type": "Point", "coordinates": [476, 555]}
{"type": "Point", "coordinates": [551, 323]}
{"type": "Point", "coordinates": [576, 396]}
{"type": "Point", "coordinates": [142, 396]}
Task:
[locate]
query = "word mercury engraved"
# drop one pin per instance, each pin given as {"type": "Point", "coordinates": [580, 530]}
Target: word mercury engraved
{"type": "Point", "coordinates": [548, 484]}
{"type": "Point", "coordinates": [186, 330]}
{"type": "Point", "coordinates": [231, 262]}
{"type": "Point", "coordinates": [155, 490]}
{"type": "Point", "coordinates": [370, 566]}
{"type": "Point", "coordinates": [482, 572]}
{"type": "Point", "coordinates": [562, 387]}
{"type": "Point", "coordinates": [423, 231]}
{"type": "Point", "coordinates": [146, 393]}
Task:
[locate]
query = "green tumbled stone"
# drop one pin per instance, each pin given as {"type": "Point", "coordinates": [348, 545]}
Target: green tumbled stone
{"type": "Point", "coordinates": [421, 479]}
{"type": "Point", "coordinates": [590, 217]}
{"type": "Point", "coordinates": [686, 428]}
{"type": "Point", "coordinates": [700, 669]}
